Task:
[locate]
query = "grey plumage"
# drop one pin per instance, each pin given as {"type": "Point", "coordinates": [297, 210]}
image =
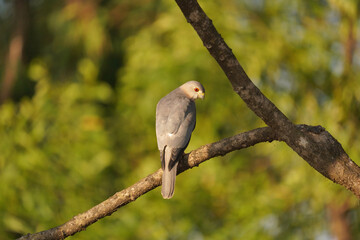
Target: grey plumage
{"type": "Point", "coordinates": [175, 121]}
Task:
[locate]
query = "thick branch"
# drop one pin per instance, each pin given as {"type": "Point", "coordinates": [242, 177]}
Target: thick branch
{"type": "Point", "coordinates": [241, 83]}
{"type": "Point", "coordinates": [322, 152]}
{"type": "Point", "coordinates": [119, 199]}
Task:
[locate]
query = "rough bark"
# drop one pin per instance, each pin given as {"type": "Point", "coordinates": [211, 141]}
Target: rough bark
{"type": "Point", "coordinates": [322, 151]}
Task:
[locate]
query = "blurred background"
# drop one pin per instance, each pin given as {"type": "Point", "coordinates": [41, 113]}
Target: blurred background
{"type": "Point", "coordinates": [79, 82]}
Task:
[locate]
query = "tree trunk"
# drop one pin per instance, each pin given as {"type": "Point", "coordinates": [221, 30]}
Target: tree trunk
{"type": "Point", "coordinates": [339, 222]}
{"type": "Point", "coordinates": [14, 55]}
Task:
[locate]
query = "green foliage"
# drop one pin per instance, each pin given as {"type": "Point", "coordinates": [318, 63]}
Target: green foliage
{"type": "Point", "coordinates": [86, 130]}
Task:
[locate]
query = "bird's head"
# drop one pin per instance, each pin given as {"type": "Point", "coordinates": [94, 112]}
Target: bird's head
{"type": "Point", "coordinates": [193, 90]}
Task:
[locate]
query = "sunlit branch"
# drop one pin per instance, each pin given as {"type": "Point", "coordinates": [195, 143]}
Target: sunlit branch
{"type": "Point", "coordinates": [130, 194]}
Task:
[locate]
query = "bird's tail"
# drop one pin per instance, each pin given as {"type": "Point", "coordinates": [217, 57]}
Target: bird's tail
{"type": "Point", "coordinates": [169, 175]}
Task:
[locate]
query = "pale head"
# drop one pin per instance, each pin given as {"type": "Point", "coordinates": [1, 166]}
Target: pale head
{"type": "Point", "coordinates": [193, 90]}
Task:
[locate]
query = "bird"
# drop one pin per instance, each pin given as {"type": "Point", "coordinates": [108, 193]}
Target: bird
{"type": "Point", "coordinates": [175, 122]}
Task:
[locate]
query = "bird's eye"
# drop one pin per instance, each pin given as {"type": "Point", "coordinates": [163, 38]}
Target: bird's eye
{"type": "Point", "coordinates": [196, 89]}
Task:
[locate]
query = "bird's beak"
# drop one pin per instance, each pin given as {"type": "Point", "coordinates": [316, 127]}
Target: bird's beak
{"type": "Point", "coordinates": [202, 95]}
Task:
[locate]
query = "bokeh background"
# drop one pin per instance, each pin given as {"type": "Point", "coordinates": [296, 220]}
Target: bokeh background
{"type": "Point", "coordinates": [80, 80]}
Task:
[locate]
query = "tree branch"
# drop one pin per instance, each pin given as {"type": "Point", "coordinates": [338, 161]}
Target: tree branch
{"type": "Point", "coordinates": [322, 151]}
{"type": "Point", "coordinates": [190, 160]}
{"type": "Point", "coordinates": [130, 194]}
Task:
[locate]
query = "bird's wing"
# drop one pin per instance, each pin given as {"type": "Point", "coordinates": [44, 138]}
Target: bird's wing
{"type": "Point", "coordinates": [175, 121]}
{"type": "Point", "coordinates": [181, 138]}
